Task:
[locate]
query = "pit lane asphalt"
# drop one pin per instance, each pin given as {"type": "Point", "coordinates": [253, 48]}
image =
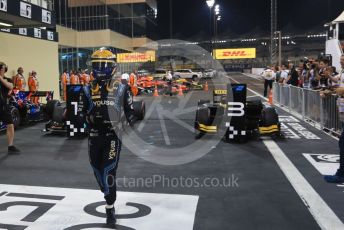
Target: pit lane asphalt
{"type": "Point", "coordinates": [264, 199]}
{"type": "Point", "coordinates": [295, 150]}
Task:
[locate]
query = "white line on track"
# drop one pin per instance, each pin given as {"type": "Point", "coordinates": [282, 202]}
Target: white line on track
{"type": "Point", "coordinates": [163, 127]}
{"type": "Point", "coordinates": [321, 212]}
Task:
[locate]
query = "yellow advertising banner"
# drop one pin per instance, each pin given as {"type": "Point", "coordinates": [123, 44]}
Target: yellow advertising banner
{"type": "Point", "coordinates": [235, 53]}
{"type": "Point", "coordinates": [136, 57]}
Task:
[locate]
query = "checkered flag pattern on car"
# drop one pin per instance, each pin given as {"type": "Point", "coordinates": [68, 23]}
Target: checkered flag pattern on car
{"type": "Point", "coordinates": [232, 132]}
{"type": "Point", "coordinates": [73, 129]}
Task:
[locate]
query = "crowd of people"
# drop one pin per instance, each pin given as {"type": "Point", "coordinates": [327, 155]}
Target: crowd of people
{"type": "Point", "coordinates": [74, 77]}
{"type": "Point", "coordinates": [315, 75]}
{"type": "Point", "coordinates": [84, 77]}
{"type": "Point", "coordinates": [309, 74]}
{"type": "Point", "coordinates": [20, 83]}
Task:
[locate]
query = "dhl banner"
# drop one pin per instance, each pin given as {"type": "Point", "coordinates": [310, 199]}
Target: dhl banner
{"type": "Point", "coordinates": [136, 57]}
{"type": "Point", "coordinates": [235, 53]}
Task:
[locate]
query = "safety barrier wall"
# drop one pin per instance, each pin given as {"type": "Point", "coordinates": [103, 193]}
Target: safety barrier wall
{"type": "Point", "coordinates": [310, 105]}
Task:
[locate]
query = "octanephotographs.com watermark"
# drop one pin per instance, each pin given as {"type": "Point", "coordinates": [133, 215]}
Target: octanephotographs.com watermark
{"type": "Point", "coordinates": [231, 181]}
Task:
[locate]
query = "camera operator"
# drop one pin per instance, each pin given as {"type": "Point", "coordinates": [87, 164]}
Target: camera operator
{"type": "Point", "coordinates": [313, 76]}
{"type": "Point", "coordinates": [293, 76]}
{"type": "Point", "coordinates": [324, 65]}
{"type": "Point", "coordinates": [5, 114]}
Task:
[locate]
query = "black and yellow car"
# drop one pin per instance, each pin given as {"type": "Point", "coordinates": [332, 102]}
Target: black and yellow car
{"type": "Point", "coordinates": [234, 116]}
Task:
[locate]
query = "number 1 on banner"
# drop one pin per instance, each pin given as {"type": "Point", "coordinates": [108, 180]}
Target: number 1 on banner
{"type": "Point", "coordinates": [75, 104]}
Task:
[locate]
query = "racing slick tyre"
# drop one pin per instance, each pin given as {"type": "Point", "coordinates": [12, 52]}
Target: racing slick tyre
{"type": "Point", "coordinates": [269, 117]}
{"type": "Point", "coordinates": [254, 108]}
{"type": "Point", "coordinates": [253, 113]}
{"type": "Point", "coordinates": [59, 114]}
{"type": "Point", "coordinates": [50, 107]}
{"type": "Point", "coordinates": [15, 117]}
{"type": "Point", "coordinates": [202, 117]}
{"type": "Point", "coordinates": [269, 123]}
{"type": "Point", "coordinates": [278, 135]}
{"type": "Point", "coordinates": [139, 109]}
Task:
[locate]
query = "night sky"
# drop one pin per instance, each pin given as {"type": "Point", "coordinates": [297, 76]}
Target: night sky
{"type": "Point", "coordinates": [242, 16]}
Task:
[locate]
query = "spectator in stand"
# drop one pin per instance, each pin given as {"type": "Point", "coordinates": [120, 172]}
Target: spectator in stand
{"type": "Point", "coordinates": [304, 80]}
{"type": "Point", "coordinates": [278, 73]}
{"type": "Point", "coordinates": [269, 76]}
{"type": "Point", "coordinates": [293, 76]}
{"type": "Point", "coordinates": [339, 176]}
{"type": "Point", "coordinates": [323, 66]}
{"type": "Point", "coordinates": [337, 79]}
{"type": "Point", "coordinates": [284, 74]}
{"type": "Point", "coordinates": [332, 75]}
{"type": "Point", "coordinates": [313, 76]}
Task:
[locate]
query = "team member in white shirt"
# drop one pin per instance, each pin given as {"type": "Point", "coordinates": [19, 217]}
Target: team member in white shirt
{"type": "Point", "coordinates": [269, 76]}
{"type": "Point", "coordinates": [284, 74]}
{"type": "Point", "coordinates": [169, 79]}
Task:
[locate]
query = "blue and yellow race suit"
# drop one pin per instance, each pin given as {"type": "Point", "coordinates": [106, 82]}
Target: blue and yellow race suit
{"type": "Point", "coordinates": [108, 108]}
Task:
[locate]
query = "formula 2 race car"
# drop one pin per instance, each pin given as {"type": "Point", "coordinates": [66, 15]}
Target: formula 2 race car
{"type": "Point", "coordinates": [24, 111]}
{"type": "Point", "coordinates": [231, 114]}
{"type": "Point", "coordinates": [68, 117]}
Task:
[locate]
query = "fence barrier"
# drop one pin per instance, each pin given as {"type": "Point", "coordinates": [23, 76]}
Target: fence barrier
{"type": "Point", "coordinates": [310, 105]}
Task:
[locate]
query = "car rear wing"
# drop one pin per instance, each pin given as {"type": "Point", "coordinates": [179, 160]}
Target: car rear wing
{"type": "Point", "coordinates": [49, 95]}
{"type": "Point", "coordinates": [220, 96]}
{"type": "Point", "coordinates": [233, 93]}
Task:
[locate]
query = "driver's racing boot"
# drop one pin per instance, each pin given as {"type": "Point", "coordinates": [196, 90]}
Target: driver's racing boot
{"type": "Point", "coordinates": [110, 216]}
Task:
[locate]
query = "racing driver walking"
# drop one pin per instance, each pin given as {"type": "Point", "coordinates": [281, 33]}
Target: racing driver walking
{"type": "Point", "coordinates": [109, 104]}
